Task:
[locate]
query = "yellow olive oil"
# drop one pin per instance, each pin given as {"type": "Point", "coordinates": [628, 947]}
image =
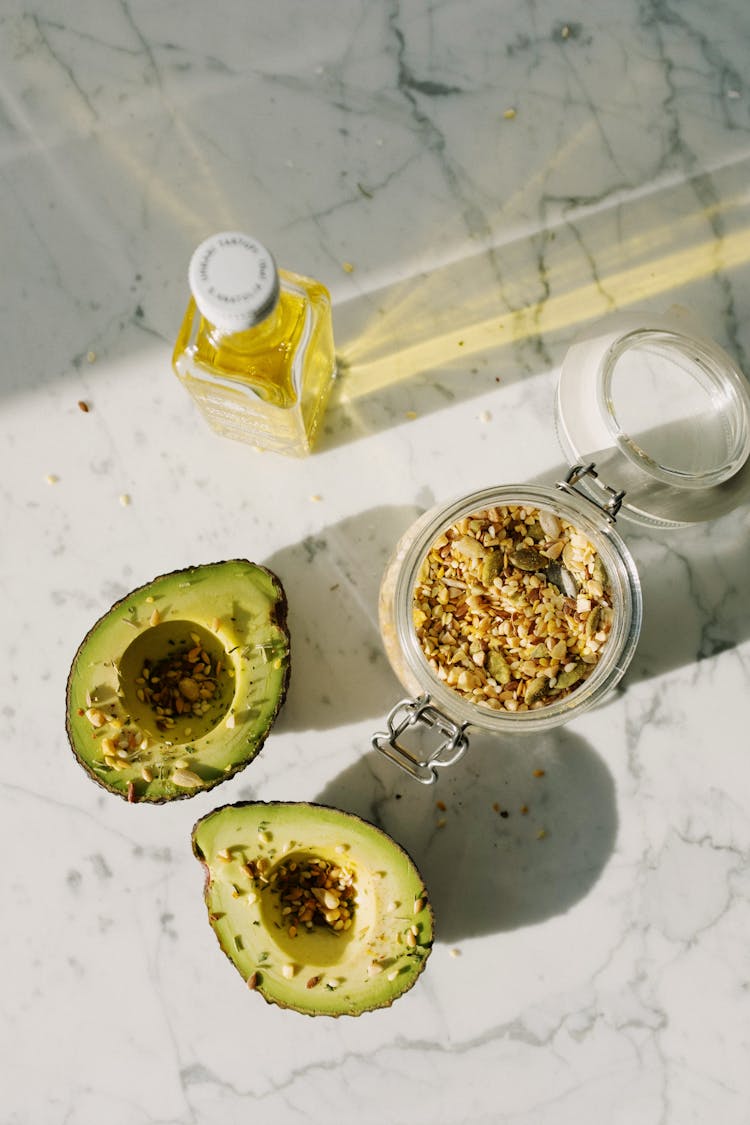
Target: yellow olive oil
{"type": "Point", "coordinates": [265, 383]}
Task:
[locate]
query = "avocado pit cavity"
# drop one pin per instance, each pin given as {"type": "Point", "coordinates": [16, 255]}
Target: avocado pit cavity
{"type": "Point", "coordinates": [176, 681]}
{"type": "Point", "coordinates": [310, 900]}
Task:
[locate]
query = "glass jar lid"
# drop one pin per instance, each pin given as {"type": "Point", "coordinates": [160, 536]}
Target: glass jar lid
{"type": "Point", "coordinates": [663, 414]}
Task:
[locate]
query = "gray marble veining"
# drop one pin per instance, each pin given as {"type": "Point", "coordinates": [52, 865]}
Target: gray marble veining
{"type": "Point", "coordinates": [475, 183]}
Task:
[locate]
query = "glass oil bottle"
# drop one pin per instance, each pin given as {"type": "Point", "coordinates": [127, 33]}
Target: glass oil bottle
{"type": "Point", "coordinates": [255, 349]}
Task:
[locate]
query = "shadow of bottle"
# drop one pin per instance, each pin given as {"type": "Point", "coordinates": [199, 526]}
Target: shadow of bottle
{"type": "Point", "coordinates": [526, 830]}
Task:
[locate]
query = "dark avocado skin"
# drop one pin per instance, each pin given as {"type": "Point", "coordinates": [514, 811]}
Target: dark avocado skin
{"type": "Point", "coordinates": [307, 805]}
{"type": "Point", "coordinates": [278, 617]}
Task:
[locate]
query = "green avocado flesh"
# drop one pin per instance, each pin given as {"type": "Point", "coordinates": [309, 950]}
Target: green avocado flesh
{"type": "Point", "coordinates": [318, 910]}
{"type": "Point", "coordinates": [176, 687]}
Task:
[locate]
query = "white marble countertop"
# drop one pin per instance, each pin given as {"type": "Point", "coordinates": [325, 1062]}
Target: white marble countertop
{"type": "Point", "coordinates": [475, 182]}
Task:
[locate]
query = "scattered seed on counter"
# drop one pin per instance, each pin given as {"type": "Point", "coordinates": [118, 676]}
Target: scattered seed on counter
{"type": "Point", "coordinates": [539, 773]}
{"type": "Point", "coordinates": [454, 953]}
{"type": "Point", "coordinates": [441, 805]}
{"type": "Point", "coordinates": [509, 113]}
{"type": "Point", "coordinates": [52, 478]}
{"type": "Point", "coordinates": [83, 406]}
{"type": "Point", "coordinates": [125, 500]}
{"type": "Point", "coordinates": [91, 357]}
{"type": "Point", "coordinates": [347, 267]}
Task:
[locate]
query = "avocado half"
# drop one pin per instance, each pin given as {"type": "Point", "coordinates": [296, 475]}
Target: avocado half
{"type": "Point", "coordinates": [317, 909]}
{"type": "Point", "coordinates": [175, 688]}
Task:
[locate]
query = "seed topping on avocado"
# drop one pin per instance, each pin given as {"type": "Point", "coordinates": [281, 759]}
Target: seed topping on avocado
{"type": "Point", "coordinates": [319, 904]}
{"type": "Point", "coordinates": [182, 683]}
{"type": "Point", "coordinates": [156, 678]}
{"type": "Point", "coordinates": [186, 779]}
{"type": "Point", "coordinates": [315, 893]}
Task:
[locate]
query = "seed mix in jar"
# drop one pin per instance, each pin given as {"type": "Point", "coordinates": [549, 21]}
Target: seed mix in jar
{"type": "Point", "coordinates": [512, 607]}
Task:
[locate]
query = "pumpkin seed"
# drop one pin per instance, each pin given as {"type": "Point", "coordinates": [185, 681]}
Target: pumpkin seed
{"type": "Point", "coordinates": [567, 679]}
{"type": "Point", "coordinates": [599, 574]}
{"type": "Point", "coordinates": [498, 667]}
{"type": "Point", "coordinates": [491, 566]}
{"type": "Point", "coordinates": [537, 690]}
{"type": "Point", "coordinates": [527, 558]}
{"type": "Point", "coordinates": [592, 621]}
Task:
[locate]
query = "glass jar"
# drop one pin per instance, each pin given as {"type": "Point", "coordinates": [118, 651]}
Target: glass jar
{"type": "Point", "coordinates": [661, 411]}
{"type": "Point", "coordinates": [255, 349]}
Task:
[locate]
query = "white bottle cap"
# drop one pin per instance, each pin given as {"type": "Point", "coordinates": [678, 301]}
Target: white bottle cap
{"type": "Point", "coordinates": [234, 281]}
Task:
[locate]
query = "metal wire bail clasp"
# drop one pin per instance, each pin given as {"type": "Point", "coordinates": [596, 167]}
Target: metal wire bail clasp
{"type": "Point", "coordinates": [407, 713]}
{"type": "Point", "coordinates": [614, 497]}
